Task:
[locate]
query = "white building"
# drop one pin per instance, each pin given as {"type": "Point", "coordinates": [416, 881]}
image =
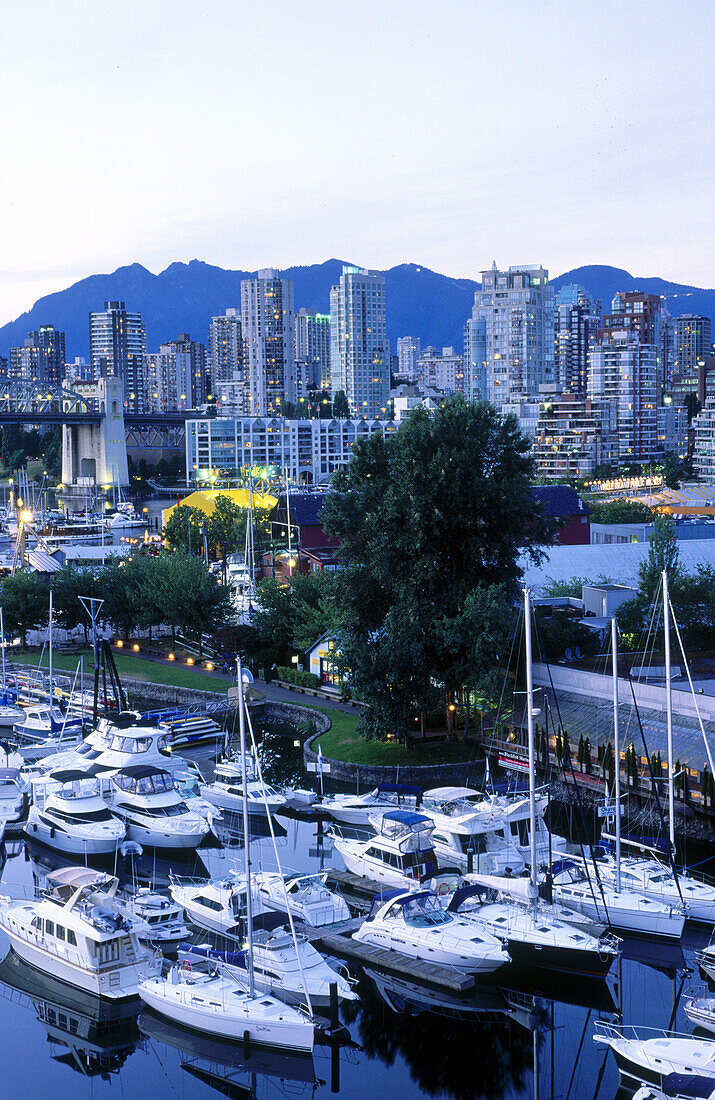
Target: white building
{"type": "Point", "coordinates": [117, 342]}
{"type": "Point", "coordinates": [359, 352]}
{"type": "Point", "coordinates": [624, 371]}
{"type": "Point", "coordinates": [267, 320]}
{"type": "Point", "coordinates": [226, 347]}
{"type": "Point", "coordinates": [704, 455]}
{"type": "Point", "coordinates": [512, 334]}
{"type": "Point", "coordinates": [409, 349]}
{"type": "Point", "coordinates": [443, 370]}
{"type": "Point", "coordinates": [406, 398]}
{"type": "Point", "coordinates": [310, 450]}
{"type": "Point", "coordinates": [312, 349]}
{"type": "Point", "coordinates": [574, 436]}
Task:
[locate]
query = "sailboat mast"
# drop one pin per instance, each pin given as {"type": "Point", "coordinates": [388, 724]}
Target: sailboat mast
{"type": "Point", "coordinates": [51, 688]}
{"type": "Point", "coordinates": [2, 638]}
{"type": "Point", "coordinates": [616, 748]}
{"type": "Point", "coordinates": [669, 712]}
{"type": "Point", "coordinates": [246, 834]}
{"type": "Point", "coordinates": [530, 727]}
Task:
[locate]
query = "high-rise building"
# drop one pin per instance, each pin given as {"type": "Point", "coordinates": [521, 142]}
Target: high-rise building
{"type": "Point", "coordinates": [693, 342]}
{"type": "Point", "coordinates": [267, 320]}
{"type": "Point", "coordinates": [117, 342]}
{"type": "Point", "coordinates": [576, 322]}
{"type": "Point", "coordinates": [312, 350]}
{"type": "Point", "coordinates": [78, 371]}
{"type": "Point", "coordinates": [443, 370]}
{"type": "Point", "coordinates": [41, 357]}
{"type": "Point", "coordinates": [359, 351]}
{"type": "Point", "coordinates": [646, 316]}
{"type": "Point", "coordinates": [574, 436]}
{"type": "Point", "coordinates": [517, 308]}
{"type": "Point", "coordinates": [409, 349]}
{"type": "Point", "coordinates": [475, 356]}
{"type": "Point", "coordinates": [175, 375]}
{"type": "Point", "coordinates": [624, 370]}
{"type": "Point", "coordinates": [226, 347]}
{"type": "Point", "coordinates": [191, 389]}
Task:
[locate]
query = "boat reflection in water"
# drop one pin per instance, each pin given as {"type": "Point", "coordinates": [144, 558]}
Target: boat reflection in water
{"type": "Point", "coordinates": [228, 1067]}
{"type": "Point", "coordinates": [92, 1036]}
{"type": "Point", "coordinates": [229, 828]}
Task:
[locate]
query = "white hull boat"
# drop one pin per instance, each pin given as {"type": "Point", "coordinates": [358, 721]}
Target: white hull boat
{"type": "Point", "coordinates": [305, 896]}
{"type": "Point", "coordinates": [656, 881]}
{"type": "Point", "coordinates": [227, 790]}
{"type": "Point", "coordinates": [217, 906]}
{"type": "Point", "coordinates": [164, 919]}
{"type": "Point", "coordinates": [67, 814]}
{"type": "Point", "coordinates": [401, 855]}
{"type": "Point", "coordinates": [145, 799]}
{"type": "Point", "coordinates": [646, 1056]}
{"type": "Point", "coordinates": [701, 1012]}
{"type": "Point", "coordinates": [623, 910]}
{"type": "Point", "coordinates": [216, 1005]}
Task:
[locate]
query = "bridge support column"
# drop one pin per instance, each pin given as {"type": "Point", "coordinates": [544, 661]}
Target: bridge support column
{"type": "Point", "coordinates": [97, 451]}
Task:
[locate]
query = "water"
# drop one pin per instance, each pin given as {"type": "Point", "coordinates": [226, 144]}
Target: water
{"type": "Point", "coordinates": [525, 1034]}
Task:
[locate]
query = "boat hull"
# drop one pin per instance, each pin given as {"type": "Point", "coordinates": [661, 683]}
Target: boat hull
{"type": "Point", "coordinates": [568, 959]}
{"type": "Point", "coordinates": [72, 845]}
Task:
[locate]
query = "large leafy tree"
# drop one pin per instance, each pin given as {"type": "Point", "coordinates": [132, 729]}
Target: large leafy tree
{"type": "Point", "coordinates": [292, 616]}
{"type": "Point", "coordinates": [25, 602]}
{"type": "Point", "coordinates": [431, 521]}
{"type": "Point", "coordinates": [182, 530]}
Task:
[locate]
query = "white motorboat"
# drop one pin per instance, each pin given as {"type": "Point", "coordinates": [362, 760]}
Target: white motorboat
{"type": "Point", "coordinates": [44, 730]}
{"type": "Point", "coordinates": [400, 855]}
{"type": "Point", "coordinates": [468, 834]}
{"type": "Point", "coordinates": [678, 1086]}
{"type": "Point", "coordinates": [415, 924]}
{"type": "Point", "coordinates": [516, 813]}
{"type": "Point", "coordinates": [164, 919]}
{"type": "Point", "coordinates": [67, 813]}
{"type": "Point", "coordinates": [78, 934]}
{"type": "Point", "coordinates": [114, 745]}
{"type": "Point", "coordinates": [214, 1003]}
{"type": "Point", "coordinates": [218, 905]}
{"type": "Point", "coordinates": [655, 880]}
{"type": "Point", "coordinates": [226, 791]}
{"type": "Point", "coordinates": [305, 896]}
{"type": "Point", "coordinates": [623, 910]}
{"type": "Point", "coordinates": [648, 1055]}
{"type": "Point", "coordinates": [14, 791]}
{"type": "Point", "coordinates": [535, 939]}
{"type": "Point", "coordinates": [11, 715]}
{"type": "Point", "coordinates": [145, 799]}
{"type": "Point", "coordinates": [706, 960]}
{"type": "Point", "coordinates": [281, 967]}
{"type": "Point", "coordinates": [701, 1012]}
{"type": "Point", "coordinates": [356, 809]}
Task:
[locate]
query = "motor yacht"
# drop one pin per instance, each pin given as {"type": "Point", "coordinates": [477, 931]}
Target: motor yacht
{"type": "Point", "coordinates": [214, 1003]}
{"type": "Point", "coordinates": [655, 880]}
{"type": "Point", "coordinates": [701, 1012]}
{"type": "Point", "coordinates": [67, 813]}
{"type": "Point", "coordinates": [11, 715]}
{"type": "Point", "coordinates": [400, 855]}
{"type": "Point", "coordinates": [706, 960]}
{"type": "Point", "coordinates": [534, 938]}
{"type": "Point", "coordinates": [145, 799]}
{"type": "Point", "coordinates": [281, 967]}
{"type": "Point", "coordinates": [305, 896]}
{"type": "Point", "coordinates": [115, 744]}
{"type": "Point", "coordinates": [356, 809]}
{"type": "Point", "coordinates": [468, 834]}
{"type": "Point", "coordinates": [648, 1055]}
{"type": "Point", "coordinates": [226, 791]}
{"type": "Point", "coordinates": [218, 905]}
{"type": "Point", "coordinates": [44, 730]}
{"type": "Point", "coordinates": [622, 910]}
{"type": "Point", "coordinates": [164, 919]}
{"type": "Point", "coordinates": [77, 933]}
{"type": "Point", "coordinates": [415, 924]}
{"type": "Point", "coordinates": [14, 794]}
{"type": "Point", "coordinates": [515, 812]}
{"type": "Point", "coordinates": [678, 1086]}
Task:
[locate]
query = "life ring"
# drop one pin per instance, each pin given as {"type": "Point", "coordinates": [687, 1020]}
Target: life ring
{"type": "Point", "coordinates": [186, 965]}
{"type": "Point", "coordinates": [443, 889]}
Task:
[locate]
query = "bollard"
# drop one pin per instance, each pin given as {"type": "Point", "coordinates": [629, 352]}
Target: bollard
{"type": "Point", "coordinates": [334, 1020]}
{"type": "Point", "coordinates": [246, 1043]}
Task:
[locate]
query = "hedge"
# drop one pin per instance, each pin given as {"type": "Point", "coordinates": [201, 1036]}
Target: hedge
{"type": "Point", "coordinates": [294, 676]}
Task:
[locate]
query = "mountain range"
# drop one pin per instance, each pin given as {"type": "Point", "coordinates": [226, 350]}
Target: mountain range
{"type": "Point", "coordinates": [185, 296]}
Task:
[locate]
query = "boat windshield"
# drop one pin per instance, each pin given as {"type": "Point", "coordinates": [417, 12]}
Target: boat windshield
{"type": "Point", "coordinates": [424, 912]}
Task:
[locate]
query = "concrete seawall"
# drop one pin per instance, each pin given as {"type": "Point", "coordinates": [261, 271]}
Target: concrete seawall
{"type": "Point", "coordinates": [424, 775]}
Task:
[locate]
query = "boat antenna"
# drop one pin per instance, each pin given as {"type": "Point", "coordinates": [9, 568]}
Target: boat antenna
{"type": "Point", "coordinates": [246, 833]}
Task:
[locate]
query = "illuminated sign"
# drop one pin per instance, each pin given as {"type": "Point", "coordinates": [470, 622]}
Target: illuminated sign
{"type": "Point", "coordinates": [654, 481]}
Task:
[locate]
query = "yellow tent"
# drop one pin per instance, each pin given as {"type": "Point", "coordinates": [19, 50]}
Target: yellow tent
{"type": "Point", "coordinates": [206, 500]}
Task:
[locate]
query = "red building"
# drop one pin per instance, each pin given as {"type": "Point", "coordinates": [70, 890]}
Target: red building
{"type": "Point", "coordinates": [563, 504]}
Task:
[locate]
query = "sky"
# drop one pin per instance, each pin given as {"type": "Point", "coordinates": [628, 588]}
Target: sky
{"type": "Point", "coordinates": [443, 132]}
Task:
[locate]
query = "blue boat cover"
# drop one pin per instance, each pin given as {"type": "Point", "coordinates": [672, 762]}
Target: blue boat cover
{"type": "Point", "coordinates": [687, 1084]}
{"type": "Point", "coordinates": [379, 900]}
{"type": "Point", "coordinates": [562, 865]}
{"type": "Point", "coordinates": [399, 788]}
{"type": "Point", "coordinates": [462, 894]}
{"type": "Point", "coordinates": [405, 817]}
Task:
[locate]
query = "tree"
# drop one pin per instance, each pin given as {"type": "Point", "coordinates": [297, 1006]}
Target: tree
{"type": "Point", "coordinates": [693, 406]}
{"type": "Point", "coordinates": [183, 529]}
{"type": "Point", "coordinates": [292, 616]}
{"type": "Point", "coordinates": [426, 517]}
{"type": "Point", "coordinates": [621, 511]}
{"type": "Point", "coordinates": [671, 468]}
{"type": "Point", "coordinates": [663, 554]}
{"type": "Point", "coordinates": [25, 602]}
{"type": "Point", "coordinates": [68, 584]}
{"type": "Point", "coordinates": [341, 409]}
{"type": "Point", "coordinates": [226, 526]}
{"type": "Point", "coordinates": [566, 588]}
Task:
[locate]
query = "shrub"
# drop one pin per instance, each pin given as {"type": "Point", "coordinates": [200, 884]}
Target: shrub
{"type": "Point", "coordinates": [295, 676]}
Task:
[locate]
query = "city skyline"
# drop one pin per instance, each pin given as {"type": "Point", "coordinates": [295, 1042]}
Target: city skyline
{"type": "Point", "coordinates": [555, 139]}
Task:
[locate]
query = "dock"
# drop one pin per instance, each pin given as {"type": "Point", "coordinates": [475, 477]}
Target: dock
{"type": "Point", "coordinates": [357, 887]}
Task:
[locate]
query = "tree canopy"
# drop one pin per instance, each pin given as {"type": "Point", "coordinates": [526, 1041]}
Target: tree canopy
{"type": "Point", "coordinates": [431, 521]}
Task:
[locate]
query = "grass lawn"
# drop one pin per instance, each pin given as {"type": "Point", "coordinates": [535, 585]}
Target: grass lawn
{"type": "Point", "coordinates": [136, 668]}
{"type": "Point", "coordinates": [343, 742]}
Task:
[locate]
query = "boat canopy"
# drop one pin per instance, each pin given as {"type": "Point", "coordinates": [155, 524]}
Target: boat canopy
{"type": "Point", "coordinates": [9, 774]}
{"type": "Point", "coordinates": [411, 789]}
{"type": "Point", "coordinates": [687, 1084]}
{"type": "Point", "coordinates": [144, 779]}
{"type": "Point", "coordinates": [463, 894]}
{"type": "Point", "coordinates": [71, 775]}
{"type": "Point", "coordinates": [395, 821]}
{"type": "Point", "coordinates": [379, 900]}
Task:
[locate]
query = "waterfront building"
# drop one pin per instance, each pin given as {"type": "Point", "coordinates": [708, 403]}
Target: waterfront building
{"type": "Point", "coordinates": [312, 350]}
{"type": "Point", "coordinates": [175, 376]}
{"type": "Point", "coordinates": [225, 350]}
{"type": "Point", "coordinates": [693, 343]}
{"type": "Point", "coordinates": [268, 323]}
{"type": "Point", "coordinates": [442, 370]}
{"type": "Point", "coordinates": [359, 352]}
{"type": "Point", "coordinates": [704, 451]}
{"type": "Point", "coordinates": [117, 342]}
{"type": "Point", "coordinates": [517, 308]}
{"type": "Point", "coordinates": [41, 357]}
{"type": "Point", "coordinates": [646, 316]}
{"type": "Point", "coordinates": [409, 349]}
{"type": "Point", "coordinates": [623, 370]}
{"type": "Point", "coordinates": [310, 450]}
{"type": "Point", "coordinates": [574, 436]}
{"type": "Point", "coordinates": [576, 321]}
{"type": "Point", "coordinates": [79, 370]}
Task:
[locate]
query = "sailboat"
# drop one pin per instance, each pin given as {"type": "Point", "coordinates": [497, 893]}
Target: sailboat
{"type": "Point", "coordinates": [213, 1001]}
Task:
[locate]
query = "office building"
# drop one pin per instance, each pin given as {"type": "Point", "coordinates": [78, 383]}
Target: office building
{"type": "Point", "coordinates": [117, 342]}
{"type": "Point", "coordinates": [225, 350]}
{"type": "Point", "coordinates": [693, 342]}
{"type": "Point", "coordinates": [409, 349]}
{"type": "Point", "coordinates": [574, 436]}
{"type": "Point", "coordinates": [41, 357]}
{"type": "Point", "coordinates": [513, 317]}
{"type": "Point", "coordinates": [624, 371]}
{"type": "Point", "coordinates": [312, 351]}
{"type": "Point", "coordinates": [310, 450]}
{"type": "Point", "coordinates": [267, 320]}
{"type": "Point", "coordinates": [576, 323]}
{"type": "Point", "coordinates": [359, 352]}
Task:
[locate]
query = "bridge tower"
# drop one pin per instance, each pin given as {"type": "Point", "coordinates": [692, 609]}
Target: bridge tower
{"type": "Point", "coordinates": [97, 451]}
